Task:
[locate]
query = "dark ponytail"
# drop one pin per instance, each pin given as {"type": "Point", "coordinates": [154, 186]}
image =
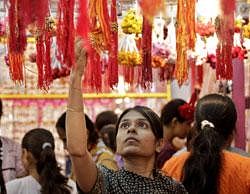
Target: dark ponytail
{"type": "Point", "coordinates": [201, 170]}
{"type": "Point", "coordinates": [40, 143]}
{"type": "Point", "coordinates": [51, 179]}
{"type": "Point", "coordinates": [2, 183]}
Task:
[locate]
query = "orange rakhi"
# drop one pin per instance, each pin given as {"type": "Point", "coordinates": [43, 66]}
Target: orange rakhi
{"type": "Point", "coordinates": [150, 8]}
{"type": "Point", "coordinates": [185, 37]}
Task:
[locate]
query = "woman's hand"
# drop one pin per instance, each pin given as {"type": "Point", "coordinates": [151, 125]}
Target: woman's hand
{"type": "Point", "coordinates": [80, 57]}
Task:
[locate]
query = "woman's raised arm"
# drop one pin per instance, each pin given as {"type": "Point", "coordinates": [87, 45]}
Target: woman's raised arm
{"type": "Point", "coordinates": [83, 165]}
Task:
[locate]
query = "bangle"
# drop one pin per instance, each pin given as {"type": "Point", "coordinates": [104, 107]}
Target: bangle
{"type": "Point", "coordinates": [69, 109]}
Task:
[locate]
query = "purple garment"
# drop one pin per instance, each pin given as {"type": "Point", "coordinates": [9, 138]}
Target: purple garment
{"type": "Point", "coordinates": [119, 161]}
{"type": "Point", "coordinates": [165, 154]}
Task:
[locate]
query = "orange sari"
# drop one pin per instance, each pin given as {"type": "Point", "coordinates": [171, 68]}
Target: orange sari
{"type": "Point", "coordinates": [234, 177]}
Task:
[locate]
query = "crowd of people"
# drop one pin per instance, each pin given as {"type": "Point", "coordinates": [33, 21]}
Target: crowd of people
{"type": "Point", "coordinates": [187, 149]}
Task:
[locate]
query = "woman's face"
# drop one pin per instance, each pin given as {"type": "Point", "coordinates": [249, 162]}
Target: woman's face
{"type": "Point", "coordinates": [181, 129]}
{"type": "Point", "coordinates": [135, 136]}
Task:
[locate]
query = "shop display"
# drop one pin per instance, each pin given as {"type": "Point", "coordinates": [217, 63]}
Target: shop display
{"type": "Point", "coordinates": [141, 51]}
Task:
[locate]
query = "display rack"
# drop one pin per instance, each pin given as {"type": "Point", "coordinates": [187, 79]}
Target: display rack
{"type": "Point", "coordinates": [87, 95]}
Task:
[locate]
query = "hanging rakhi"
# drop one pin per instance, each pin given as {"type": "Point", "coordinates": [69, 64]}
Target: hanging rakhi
{"type": "Point", "coordinates": [146, 53]}
{"type": "Point", "coordinates": [190, 9]}
{"type": "Point", "coordinates": [43, 58]}
{"type": "Point", "coordinates": [181, 67]}
{"type": "Point", "coordinates": [21, 14]}
{"type": "Point", "coordinates": [113, 59]}
{"type": "Point", "coordinates": [185, 37]}
{"type": "Point", "coordinates": [151, 8]}
{"type": "Point", "coordinates": [97, 38]}
{"type": "Point", "coordinates": [16, 42]}
{"type": "Point", "coordinates": [225, 32]}
{"type": "Point", "coordinates": [65, 35]}
{"type": "Point", "coordinates": [129, 55]}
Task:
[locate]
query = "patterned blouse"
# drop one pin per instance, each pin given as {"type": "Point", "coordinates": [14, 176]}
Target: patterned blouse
{"type": "Point", "coordinates": [12, 164]}
{"type": "Point", "coordinates": [123, 181]}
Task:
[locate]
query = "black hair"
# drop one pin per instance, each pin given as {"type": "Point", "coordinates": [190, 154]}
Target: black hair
{"type": "Point", "coordinates": [50, 177]}
{"type": "Point", "coordinates": [202, 169]}
{"type": "Point", "coordinates": [105, 118]}
{"type": "Point", "coordinates": [61, 121]}
{"type": "Point", "coordinates": [108, 134]}
{"type": "Point", "coordinates": [171, 110]}
{"type": "Point", "coordinates": [92, 133]}
{"type": "Point", "coordinates": [150, 115]}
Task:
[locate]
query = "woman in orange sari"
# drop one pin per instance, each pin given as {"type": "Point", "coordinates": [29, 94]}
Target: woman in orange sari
{"type": "Point", "coordinates": [208, 168]}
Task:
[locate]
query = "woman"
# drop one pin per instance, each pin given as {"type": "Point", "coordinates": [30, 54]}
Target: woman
{"type": "Point", "coordinates": [10, 159]}
{"type": "Point", "coordinates": [139, 134]}
{"type": "Point", "coordinates": [99, 151]}
{"type": "Point", "coordinates": [208, 164]}
{"type": "Point", "coordinates": [176, 125]}
{"type": "Point", "coordinates": [108, 135]}
{"type": "Point", "coordinates": [44, 173]}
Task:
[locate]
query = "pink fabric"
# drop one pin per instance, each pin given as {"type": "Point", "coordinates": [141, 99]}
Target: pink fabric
{"type": "Point", "coordinates": [239, 100]}
{"type": "Point", "coordinates": [12, 164]}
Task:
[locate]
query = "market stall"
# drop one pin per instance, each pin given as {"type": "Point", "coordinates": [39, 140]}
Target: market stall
{"type": "Point", "coordinates": [137, 55]}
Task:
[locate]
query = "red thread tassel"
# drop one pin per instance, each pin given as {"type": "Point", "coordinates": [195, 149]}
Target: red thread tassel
{"type": "Point", "coordinates": [146, 52]}
{"type": "Point", "coordinates": [47, 64]}
{"type": "Point", "coordinates": [39, 61]}
{"type": "Point", "coordinates": [43, 61]}
{"type": "Point", "coordinates": [227, 6]}
{"type": "Point", "coordinates": [113, 62]}
{"type": "Point", "coordinates": [225, 32]}
{"type": "Point", "coordinates": [16, 42]}
{"type": "Point", "coordinates": [92, 77]}
{"type": "Point", "coordinates": [129, 74]}
{"type": "Point", "coordinates": [34, 11]}
{"type": "Point", "coordinates": [83, 23]}
{"type": "Point", "coordinates": [65, 32]}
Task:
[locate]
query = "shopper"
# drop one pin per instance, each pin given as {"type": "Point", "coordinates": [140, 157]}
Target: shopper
{"type": "Point", "coordinates": [10, 161]}
{"type": "Point", "coordinates": [208, 168]}
{"type": "Point", "coordinates": [176, 125]}
{"type": "Point", "coordinates": [99, 151]}
{"type": "Point", "coordinates": [40, 161]}
{"type": "Point", "coordinates": [105, 118]}
{"type": "Point", "coordinates": [108, 135]}
{"type": "Point", "coordinates": [139, 132]}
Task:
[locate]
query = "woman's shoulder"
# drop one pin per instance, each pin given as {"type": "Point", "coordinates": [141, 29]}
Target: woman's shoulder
{"type": "Point", "coordinates": [235, 159]}
{"type": "Point", "coordinates": [23, 180]}
{"type": "Point", "coordinates": [175, 161]}
{"type": "Point", "coordinates": [23, 185]}
{"type": "Point", "coordinates": [235, 168]}
{"type": "Point", "coordinates": [171, 184]}
{"type": "Point", "coordinates": [173, 167]}
{"type": "Point", "coordinates": [235, 163]}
